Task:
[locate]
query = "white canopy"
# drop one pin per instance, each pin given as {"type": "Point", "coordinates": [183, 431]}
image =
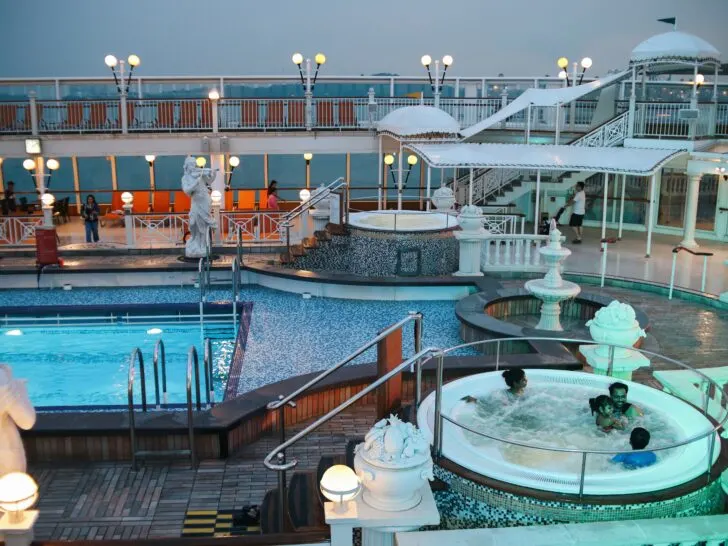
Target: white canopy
{"type": "Point", "coordinates": [542, 97]}
{"type": "Point", "coordinates": [637, 161]}
{"type": "Point", "coordinates": [674, 46]}
{"type": "Point", "coordinates": [411, 121]}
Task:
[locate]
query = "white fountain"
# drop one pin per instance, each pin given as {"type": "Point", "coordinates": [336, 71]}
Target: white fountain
{"type": "Point", "coordinates": [552, 289]}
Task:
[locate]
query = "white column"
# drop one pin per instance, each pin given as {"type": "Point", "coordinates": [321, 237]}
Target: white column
{"type": "Point", "coordinates": [77, 181]}
{"type": "Point", "coordinates": [470, 188]}
{"type": "Point", "coordinates": [621, 207]}
{"type": "Point", "coordinates": [614, 199]}
{"type": "Point", "coordinates": [632, 105]}
{"type": "Point", "coordinates": [536, 210]}
{"type": "Point", "coordinates": [399, 179]}
{"type": "Point", "coordinates": [33, 113]}
{"type": "Point", "coordinates": [691, 211]}
{"type": "Point", "coordinates": [604, 205]}
{"type": "Point", "coordinates": [557, 130]}
{"type": "Point", "coordinates": [40, 174]}
{"type": "Point", "coordinates": [429, 181]}
{"type": "Point", "coordinates": [528, 124]}
{"type": "Point", "coordinates": [380, 165]}
{"type": "Point", "coordinates": [47, 215]}
{"type": "Point", "coordinates": [217, 161]}
{"type": "Point", "coordinates": [650, 215]}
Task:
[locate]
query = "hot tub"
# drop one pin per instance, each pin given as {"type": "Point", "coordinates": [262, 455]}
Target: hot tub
{"type": "Point", "coordinates": [560, 472]}
{"type": "Point", "coordinates": [403, 221]}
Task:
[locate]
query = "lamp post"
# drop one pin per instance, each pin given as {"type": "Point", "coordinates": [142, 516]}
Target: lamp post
{"type": "Point", "coordinates": [233, 162]}
{"type": "Point", "coordinates": [214, 96]}
{"type": "Point", "coordinates": [122, 87]}
{"type": "Point", "coordinates": [308, 156]}
{"type": "Point", "coordinates": [128, 200]}
{"type": "Point", "coordinates": [35, 170]}
{"type": "Point", "coordinates": [563, 64]}
{"type": "Point", "coordinates": [216, 201]}
{"type": "Point", "coordinates": [401, 181]}
{"type": "Point", "coordinates": [150, 161]}
{"type": "Point", "coordinates": [308, 82]}
{"type": "Point", "coordinates": [388, 162]}
{"type": "Point", "coordinates": [436, 84]}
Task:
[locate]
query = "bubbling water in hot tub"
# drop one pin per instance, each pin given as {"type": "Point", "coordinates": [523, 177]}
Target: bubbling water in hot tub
{"type": "Point", "coordinates": [554, 417]}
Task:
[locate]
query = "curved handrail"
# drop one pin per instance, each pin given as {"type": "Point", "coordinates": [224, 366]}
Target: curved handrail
{"type": "Point", "coordinates": [159, 348]}
{"type": "Point", "coordinates": [188, 389]}
{"type": "Point", "coordinates": [693, 252]}
{"type": "Point", "coordinates": [192, 358]}
{"type": "Point", "coordinates": [136, 353]}
{"type": "Point", "coordinates": [416, 360]}
{"type": "Point", "coordinates": [694, 438]}
{"type": "Point", "coordinates": [207, 366]}
{"type": "Point", "coordinates": [300, 209]}
{"type": "Point", "coordinates": [323, 375]}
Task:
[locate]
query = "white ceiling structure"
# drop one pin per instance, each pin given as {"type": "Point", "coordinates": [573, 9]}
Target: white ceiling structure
{"type": "Point", "coordinates": [674, 47]}
{"type": "Point", "coordinates": [542, 97]}
{"type": "Point", "coordinates": [636, 161]}
{"type": "Point", "coordinates": [420, 121]}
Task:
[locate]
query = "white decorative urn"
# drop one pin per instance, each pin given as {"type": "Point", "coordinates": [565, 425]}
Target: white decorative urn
{"type": "Point", "coordinates": [322, 205]}
{"type": "Point", "coordinates": [615, 324]}
{"type": "Point", "coordinates": [393, 463]}
{"type": "Point", "coordinates": [443, 198]}
{"type": "Point", "coordinates": [471, 219]}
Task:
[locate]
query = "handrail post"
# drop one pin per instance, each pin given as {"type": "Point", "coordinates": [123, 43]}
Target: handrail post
{"type": "Point", "coordinates": [130, 396]}
{"type": "Point", "coordinates": [192, 359]}
{"type": "Point", "coordinates": [209, 383]}
{"type": "Point", "coordinates": [705, 270]}
{"type": "Point", "coordinates": [417, 317]}
{"type": "Point", "coordinates": [190, 423]}
{"type": "Point", "coordinates": [437, 439]}
{"type": "Point", "coordinates": [157, 346]}
{"type": "Point", "coordinates": [672, 274]}
{"type": "Point", "coordinates": [281, 460]}
{"type": "Point", "coordinates": [605, 247]}
{"type": "Point", "coordinates": [583, 473]}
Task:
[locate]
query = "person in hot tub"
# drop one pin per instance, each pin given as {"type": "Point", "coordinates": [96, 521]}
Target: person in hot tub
{"type": "Point", "coordinates": [639, 439]}
{"type": "Point", "coordinates": [618, 394]}
{"type": "Point", "coordinates": [516, 381]}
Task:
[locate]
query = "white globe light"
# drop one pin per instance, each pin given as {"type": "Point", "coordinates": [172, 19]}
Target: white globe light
{"type": "Point", "coordinates": [308, 156]}
{"type": "Point", "coordinates": [53, 164]}
{"type": "Point", "coordinates": [412, 159]}
{"type": "Point", "coordinates": [562, 75]}
{"type": "Point", "coordinates": [563, 62]}
{"type": "Point", "coordinates": [586, 62]}
{"type": "Point", "coordinates": [304, 195]}
{"type": "Point", "coordinates": [234, 161]}
{"type": "Point", "coordinates": [200, 162]}
{"type": "Point", "coordinates": [216, 197]}
{"type": "Point", "coordinates": [150, 158]}
{"type": "Point", "coordinates": [320, 58]}
{"type": "Point", "coordinates": [388, 159]}
{"type": "Point", "coordinates": [48, 199]}
{"type": "Point", "coordinates": [18, 492]}
{"type": "Point", "coordinates": [110, 61]}
{"type": "Point", "coordinates": [426, 60]}
{"type": "Point", "coordinates": [134, 60]}
{"type": "Point", "coordinates": [214, 94]}
{"type": "Point", "coordinates": [447, 60]}
{"type": "Point", "coordinates": [699, 79]}
{"type": "Point", "coordinates": [127, 198]}
{"type": "Point", "coordinates": [297, 58]}
{"type": "Point", "coordinates": [14, 333]}
{"type": "Point", "coordinates": [29, 164]}
{"type": "Point", "coordinates": [340, 484]}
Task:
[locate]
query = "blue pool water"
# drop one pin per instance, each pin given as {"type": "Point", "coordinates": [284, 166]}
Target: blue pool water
{"type": "Point", "coordinates": [288, 336]}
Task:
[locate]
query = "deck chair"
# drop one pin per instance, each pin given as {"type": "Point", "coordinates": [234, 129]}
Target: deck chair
{"type": "Point", "coordinates": [188, 115]}
{"type": "Point", "coordinates": [8, 116]}
{"type": "Point", "coordinates": [249, 113]}
{"type": "Point", "coordinates": [141, 202]}
{"type": "Point", "coordinates": [347, 116]}
{"type": "Point", "coordinates": [324, 114]}
{"type": "Point", "coordinates": [181, 202]}
{"type": "Point", "coordinates": [246, 199]}
{"type": "Point", "coordinates": [160, 201]}
{"type": "Point", "coordinates": [206, 115]}
{"type": "Point", "coordinates": [296, 114]}
{"type": "Point", "coordinates": [114, 214]}
{"type": "Point", "coordinates": [165, 115]}
{"type": "Point", "coordinates": [274, 113]}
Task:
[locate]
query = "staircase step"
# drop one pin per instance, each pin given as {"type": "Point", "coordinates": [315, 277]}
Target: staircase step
{"type": "Point", "coordinates": [336, 229]}
{"type": "Point", "coordinates": [286, 258]}
{"type": "Point", "coordinates": [311, 242]}
{"type": "Point", "coordinates": [298, 250]}
{"type": "Point", "coordinates": [322, 235]}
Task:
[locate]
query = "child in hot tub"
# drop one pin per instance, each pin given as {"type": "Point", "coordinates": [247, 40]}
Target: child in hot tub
{"type": "Point", "coordinates": [516, 381]}
{"type": "Point", "coordinates": [639, 439]}
{"type": "Point", "coordinates": [603, 406]}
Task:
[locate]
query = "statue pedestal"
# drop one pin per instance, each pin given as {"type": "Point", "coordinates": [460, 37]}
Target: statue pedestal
{"type": "Point", "coordinates": [379, 526]}
{"type": "Point", "coordinates": [470, 247]}
{"type": "Point", "coordinates": [622, 367]}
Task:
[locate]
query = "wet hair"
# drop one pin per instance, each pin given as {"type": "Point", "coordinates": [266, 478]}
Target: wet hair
{"type": "Point", "coordinates": [639, 438]}
{"type": "Point", "coordinates": [580, 185]}
{"type": "Point", "coordinates": [616, 386]}
{"type": "Point", "coordinates": [599, 402]}
{"type": "Point", "coordinates": [513, 376]}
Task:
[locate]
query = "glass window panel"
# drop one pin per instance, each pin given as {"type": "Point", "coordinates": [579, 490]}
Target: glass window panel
{"type": "Point", "coordinates": [94, 176]}
{"type": "Point", "coordinates": [132, 173]}
{"type": "Point", "coordinates": [364, 175]}
{"type": "Point", "coordinates": [13, 171]}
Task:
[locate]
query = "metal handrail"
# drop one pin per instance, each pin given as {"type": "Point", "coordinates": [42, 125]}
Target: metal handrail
{"type": "Point", "coordinates": [439, 417]}
{"type": "Point", "coordinates": [191, 355]}
{"type": "Point", "coordinates": [159, 348]}
{"type": "Point", "coordinates": [207, 366]}
{"type": "Point", "coordinates": [136, 353]}
{"type": "Point", "coordinates": [300, 209]}
{"type": "Point", "coordinates": [416, 360]}
{"type": "Point", "coordinates": [235, 292]}
{"type": "Point", "coordinates": [675, 252]}
{"type": "Point", "coordinates": [417, 317]}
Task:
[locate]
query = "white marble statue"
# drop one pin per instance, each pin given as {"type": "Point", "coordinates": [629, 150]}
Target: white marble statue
{"type": "Point", "coordinates": [196, 183]}
{"type": "Point", "coordinates": [16, 411]}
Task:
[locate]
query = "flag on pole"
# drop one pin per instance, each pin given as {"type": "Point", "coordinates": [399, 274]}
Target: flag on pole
{"type": "Point", "coordinates": [670, 21]}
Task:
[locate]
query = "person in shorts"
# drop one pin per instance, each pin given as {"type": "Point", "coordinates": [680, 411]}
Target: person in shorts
{"type": "Point", "coordinates": [577, 215]}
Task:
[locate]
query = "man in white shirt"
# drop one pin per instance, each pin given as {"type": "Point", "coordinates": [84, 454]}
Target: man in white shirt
{"type": "Point", "coordinates": [577, 215]}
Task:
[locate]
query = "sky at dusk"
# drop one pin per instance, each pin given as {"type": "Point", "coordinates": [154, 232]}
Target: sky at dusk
{"type": "Point", "coordinates": [57, 38]}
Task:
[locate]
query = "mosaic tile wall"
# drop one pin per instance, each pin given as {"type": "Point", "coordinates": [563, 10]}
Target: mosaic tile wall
{"type": "Point", "coordinates": [467, 505]}
{"type": "Point", "coordinates": [377, 254]}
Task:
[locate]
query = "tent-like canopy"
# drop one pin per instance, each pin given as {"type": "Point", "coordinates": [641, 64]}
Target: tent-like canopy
{"type": "Point", "coordinates": [419, 122]}
{"type": "Point", "coordinates": [636, 161]}
{"type": "Point", "coordinates": [674, 47]}
{"type": "Point", "coordinates": [542, 97]}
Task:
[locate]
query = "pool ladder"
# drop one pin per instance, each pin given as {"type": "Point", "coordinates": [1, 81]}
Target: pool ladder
{"type": "Point", "coordinates": [193, 366]}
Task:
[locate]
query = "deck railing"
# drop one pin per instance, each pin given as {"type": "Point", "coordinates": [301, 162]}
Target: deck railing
{"type": "Point", "coordinates": [18, 230]}
{"type": "Point", "coordinates": [520, 252]}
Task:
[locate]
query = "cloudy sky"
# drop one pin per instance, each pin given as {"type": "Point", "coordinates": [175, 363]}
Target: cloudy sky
{"type": "Point", "coordinates": [244, 37]}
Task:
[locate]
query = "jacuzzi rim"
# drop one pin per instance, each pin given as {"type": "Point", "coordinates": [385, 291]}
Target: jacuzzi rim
{"type": "Point", "coordinates": [599, 485]}
{"type": "Point", "coordinates": [406, 212]}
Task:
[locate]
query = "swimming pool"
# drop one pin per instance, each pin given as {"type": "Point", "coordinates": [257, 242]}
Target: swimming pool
{"type": "Point", "coordinates": [288, 336]}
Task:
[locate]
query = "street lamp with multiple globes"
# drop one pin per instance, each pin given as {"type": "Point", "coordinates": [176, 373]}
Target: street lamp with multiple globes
{"type": "Point", "coordinates": [436, 85]}
{"type": "Point", "coordinates": [233, 162]}
{"type": "Point", "coordinates": [402, 185]}
{"type": "Point", "coordinates": [563, 63]}
{"type": "Point", "coordinates": [37, 176]}
{"type": "Point", "coordinates": [112, 62]}
{"type": "Point", "coordinates": [308, 156]}
{"type": "Point", "coordinates": [307, 81]}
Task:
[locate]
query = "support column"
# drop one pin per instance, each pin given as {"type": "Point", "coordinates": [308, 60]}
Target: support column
{"type": "Point", "coordinates": [632, 105]}
{"type": "Point", "coordinates": [536, 211]}
{"type": "Point", "coordinates": [650, 215]}
{"type": "Point", "coordinates": [604, 205]}
{"type": "Point", "coordinates": [400, 182]}
{"type": "Point", "coordinates": [429, 182]}
{"type": "Point", "coordinates": [691, 211]}
{"type": "Point", "coordinates": [621, 207]}
{"type": "Point", "coordinates": [217, 161]}
{"type": "Point", "coordinates": [557, 122]}
{"type": "Point", "coordinates": [347, 179]}
{"type": "Point", "coordinates": [40, 174]}
{"type": "Point", "coordinates": [380, 170]}
{"type": "Point", "coordinates": [77, 182]}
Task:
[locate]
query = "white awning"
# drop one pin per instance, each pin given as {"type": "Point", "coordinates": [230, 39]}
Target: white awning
{"type": "Point", "coordinates": [637, 161]}
{"type": "Point", "coordinates": [541, 97]}
{"type": "Point", "coordinates": [421, 120]}
{"type": "Point", "coordinates": [674, 46]}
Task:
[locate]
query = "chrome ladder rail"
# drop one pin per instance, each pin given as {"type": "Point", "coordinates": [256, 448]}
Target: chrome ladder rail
{"type": "Point", "coordinates": [159, 349]}
{"type": "Point", "coordinates": [235, 292]}
{"type": "Point", "coordinates": [207, 369]}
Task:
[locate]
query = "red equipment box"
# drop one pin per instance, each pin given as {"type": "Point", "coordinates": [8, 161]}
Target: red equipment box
{"type": "Point", "coordinates": [46, 246]}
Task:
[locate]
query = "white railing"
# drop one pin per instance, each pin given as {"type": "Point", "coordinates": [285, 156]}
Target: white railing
{"type": "Point", "coordinates": [78, 116]}
{"type": "Point", "coordinates": [512, 252]}
{"type": "Point", "coordinates": [660, 120]}
{"type": "Point", "coordinates": [159, 229]}
{"type": "Point", "coordinates": [612, 133]}
{"type": "Point", "coordinates": [19, 230]}
{"type": "Point", "coordinates": [169, 115]}
{"type": "Point", "coordinates": [721, 120]}
{"type": "Point", "coordinates": [504, 224]}
{"type": "Point", "coordinates": [253, 226]}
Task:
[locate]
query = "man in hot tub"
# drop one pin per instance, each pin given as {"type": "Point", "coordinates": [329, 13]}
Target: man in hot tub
{"type": "Point", "coordinates": [618, 393]}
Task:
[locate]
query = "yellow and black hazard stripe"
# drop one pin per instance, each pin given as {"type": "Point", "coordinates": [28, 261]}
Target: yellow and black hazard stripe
{"type": "Point", "coordinates": [214, 523]}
